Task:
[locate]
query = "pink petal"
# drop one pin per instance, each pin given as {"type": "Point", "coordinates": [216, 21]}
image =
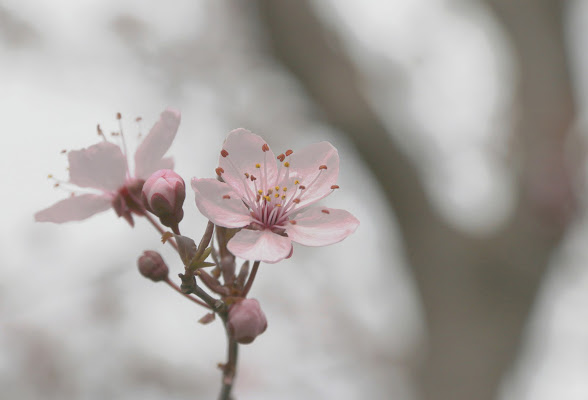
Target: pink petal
{"type": "Point", "coordinates": [220, 204]}
{"type": "Point", "coordinates": [321, 226]}
{"type": "Point", "coordinates": [263, 245]}
{"type": "Point", "coordinates": [304, 166]}
{"type": "Point", "coordinates": [157, 142]}
{"type": "Point", "coordinates": [243, 151]}
{"type": "Point", "coordinates": [101, 166]}
{"type": "Point", "coordinates": [74, 208]}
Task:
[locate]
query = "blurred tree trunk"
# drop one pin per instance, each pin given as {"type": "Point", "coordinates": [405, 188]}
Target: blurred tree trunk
{"type": "Point", "coordinates": [477, 293]}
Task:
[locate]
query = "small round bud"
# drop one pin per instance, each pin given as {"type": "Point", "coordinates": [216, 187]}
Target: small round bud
{"type": "Point", "coordinates": [163, 195]}
{"type": "Point", "coordinates": [152, 266]}
{"type": "Point", "coordinates": [246, 321]}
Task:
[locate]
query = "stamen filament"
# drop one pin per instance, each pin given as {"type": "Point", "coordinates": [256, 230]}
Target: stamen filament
{"type": "Point", "coordinates": [246, 186]}
{"type": "Point", "coordinates": [124, 144]}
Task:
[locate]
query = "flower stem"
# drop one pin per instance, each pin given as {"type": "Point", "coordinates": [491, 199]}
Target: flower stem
{"type": "Point", "coordinates": [229, 369]}
{"type": "Point", "coordinates": [177, 289]}
{"type": "Point", "coordinates": [251, 278]}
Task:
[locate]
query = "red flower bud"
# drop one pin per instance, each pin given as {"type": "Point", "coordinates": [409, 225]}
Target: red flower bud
{"type": "Point", "coordinates": [152, 266]}
{"type": "Point", "coordinates": [246, 321]}
{"type": "Point", "coordinates": [163, 195]}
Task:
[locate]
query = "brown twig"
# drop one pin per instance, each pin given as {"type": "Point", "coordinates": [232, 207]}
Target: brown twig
{"type": "Point", "coordinates": [177, 289]}
{"type": "Point", "coordinates": [251, 278]}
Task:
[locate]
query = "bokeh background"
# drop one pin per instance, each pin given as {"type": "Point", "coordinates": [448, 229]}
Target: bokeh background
{"type": "Point", "coordinates": [461, 131]}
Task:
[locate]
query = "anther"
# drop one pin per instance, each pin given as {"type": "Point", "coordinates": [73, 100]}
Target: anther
{"type": "Point", "coordinates": [257, 198]}
{"type": "Point", "coordinates": [253, 178]}
{"type": "Point", "coordinates": [278, 205]}
{"type": "Point", "coordinates": [267, 198]}
{"type": "Point", "coordinates": [277, 188]}
{"type": "Point", "coordinates": [296, 201]}
{"type": "Point", "coordinates": [219, 171]}
{"type": "Point", "coordinates": [246, 175]}
{"type": "Point", "coordinates": [224, 153]}
{"type": "Point", "coordinates": [257, 165]}
{"type": "Point", "coordinates": [325, 211]}
{"type": "Point", "coordinates": [260, 191]}
{"type": "Point", "coordinates": [99, 130]}
{"type": "Point", "coordinates": [283, 197]}
{"type": "Point", "coordinates": [288, 152]}
{"type": "Point", "coordinates": [226, 196]}
{"type": "Point", "coordinates": [334, 187]}
{"type": "Point", "coordinates": [323, 167]}
{"type": "Point", "coordinates": [293, 222]}
{"type": "Point", "coordinates": [265, 147]}
{"type": "Point", "coordinates": [118, 116]}
{"type": "Point", "coordinates": [301, 187]}
{"type": "Point", "coordinates": [138, 119]}
{"type": "Point", "coordinates": [50, 176]}
{"type": "Point", "coordinates": [286, 164]}
{"type": "Point", "coordinates": [285, 189]}
{"type": "Point", "coordinates": [277, 195]}
{"type": "Point", "coordinates": [281, 157]}
{"type": "Point", "coordinates": [63, 151]}
{"type": "Point", "coordinates": [56, 185]}
{"type": "Point", "coordinates": [296, 182]}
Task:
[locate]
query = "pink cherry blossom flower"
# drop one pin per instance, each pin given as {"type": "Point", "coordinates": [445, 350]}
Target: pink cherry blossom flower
{"type": "Point", "coordinates": [272, 201]}
{"type": "Point", "coordinates": [104, 167]}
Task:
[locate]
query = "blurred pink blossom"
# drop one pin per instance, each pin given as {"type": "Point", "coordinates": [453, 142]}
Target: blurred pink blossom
{"type": "Point", "coordinates": [271, 201]}
{"type": "Point", "coordinates": [105, 168]}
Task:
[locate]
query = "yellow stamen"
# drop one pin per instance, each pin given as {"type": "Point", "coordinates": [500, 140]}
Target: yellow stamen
{"type": "Point", "coordinates": [277, 188]}
{"type": "Point", "coordinates": [260, 191]}
{"type": "Point", "coordinates": [296, 182]}
{"type": "Point", "coordinates": [257, 165]}
{"type": "Point", "coordinates": [286, 164]}
{"type": "Point", "coordinates": [277, 195]}
{"type": "Point", "coordinates": [267, 198]}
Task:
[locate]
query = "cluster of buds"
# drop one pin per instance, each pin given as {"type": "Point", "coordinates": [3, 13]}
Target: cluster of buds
{"type": "Point", "coordinates": [163, 195]}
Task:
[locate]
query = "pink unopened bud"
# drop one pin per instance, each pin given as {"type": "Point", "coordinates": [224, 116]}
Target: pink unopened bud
{"type": "Point", "coordinates": [152, 266]}
{"type": "Point", "coordinates": [246, 321]}
{"type": "Point", "coordinates": [163, 195]}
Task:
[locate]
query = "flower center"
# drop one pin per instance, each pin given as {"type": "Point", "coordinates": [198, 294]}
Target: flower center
{"type": "Point", "coordinates": [272, 203]}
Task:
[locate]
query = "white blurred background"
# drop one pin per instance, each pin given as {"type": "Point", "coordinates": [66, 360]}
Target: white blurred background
{"type": "Point", "coordinates": [345, 322]}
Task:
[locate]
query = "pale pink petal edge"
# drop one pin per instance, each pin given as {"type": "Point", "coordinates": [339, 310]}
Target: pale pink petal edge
{"type": "Point", "coordinates": [218, 202]}
{"type": "Point", "coordinates": [75, 208]}
{"type": "Point", "coordinates": [156, 143]}
{"type": "Point", "coordinates": [305, 163]}
{"type": "Point", "coordinates": [321, 226]}
{"type": "Point", "coordinates": [263, 246]}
